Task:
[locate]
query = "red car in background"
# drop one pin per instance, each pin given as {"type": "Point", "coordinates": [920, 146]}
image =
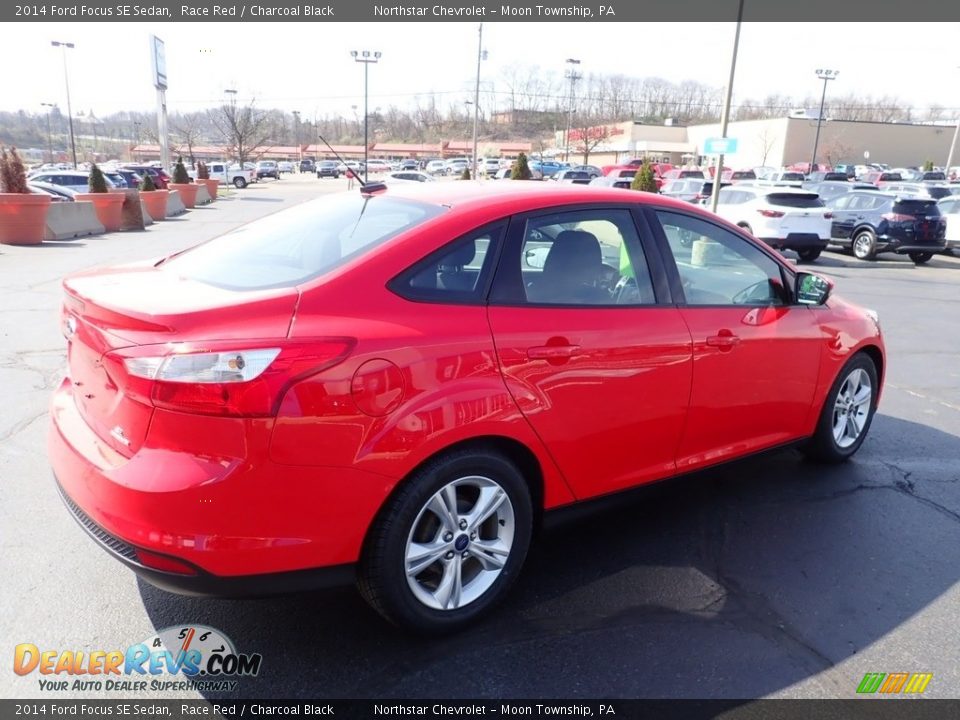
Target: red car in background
{"type": "Point", "coordinates": [394, 385]}
{"type": "Point", "coordinates": [659, 169]}
{"type": "Point", "coordinates": [159, 177]}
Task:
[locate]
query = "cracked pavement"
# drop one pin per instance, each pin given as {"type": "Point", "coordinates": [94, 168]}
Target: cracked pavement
{"type": "Point", "coordinates": [769, 577]}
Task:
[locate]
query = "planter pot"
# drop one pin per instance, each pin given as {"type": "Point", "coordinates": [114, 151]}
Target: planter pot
{"type": "Point", "coordinates": [23, 218]}
{"type": "Point", "coordinates": [108, 206]}
{"type": "Point", "coordinates": [212, 186]}
{"type": "Point", "coordinates": [156, 202]}
{"type": "Point", "coordinates": [188, 192]}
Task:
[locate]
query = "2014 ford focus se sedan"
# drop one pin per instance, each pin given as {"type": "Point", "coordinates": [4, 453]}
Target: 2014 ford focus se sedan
{"type": "Point", "coordinates": [395, 385]}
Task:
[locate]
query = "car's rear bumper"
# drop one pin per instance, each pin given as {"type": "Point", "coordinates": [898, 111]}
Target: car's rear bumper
{"type": "Point", "coordinates": [203, 491]}
{"type": "Point", "coordinates": [797, 241]}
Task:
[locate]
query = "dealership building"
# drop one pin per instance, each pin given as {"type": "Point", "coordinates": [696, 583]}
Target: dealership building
{"type": "Point", "coordinates": [774, 142]}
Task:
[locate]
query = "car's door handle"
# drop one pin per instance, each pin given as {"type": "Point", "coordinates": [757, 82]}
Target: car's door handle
{"type": "Point", "coordinates": [725, 340]}
{"type": "Point", "coordinates": [552, 352]}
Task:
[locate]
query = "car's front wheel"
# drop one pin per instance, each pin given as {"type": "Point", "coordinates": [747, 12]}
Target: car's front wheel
{"type": "Point", "coordinates": [239, 183]}
{"type": "Point", "coordinates": [810, 254]}
{"type": "Point", "coordinates": [920, 258]}
{"type": "Point", "coordinates": [847, 412]}
{"type": "Point", "coordinates": [450, 543]}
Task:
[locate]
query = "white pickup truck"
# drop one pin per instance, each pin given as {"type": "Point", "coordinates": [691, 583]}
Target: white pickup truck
{"type": "Point", "coordinates": [229, 174]}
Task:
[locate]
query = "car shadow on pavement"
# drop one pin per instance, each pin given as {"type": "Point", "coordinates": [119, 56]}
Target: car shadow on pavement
{"type": "Point", "coordinates": [732, 583]}
{"type": "Point", "coordinates": [835, 258]}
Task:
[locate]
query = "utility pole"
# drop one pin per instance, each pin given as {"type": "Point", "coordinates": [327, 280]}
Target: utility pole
{"type": "Point", "coordinates": [826, 76]}
{"type": "Point", "coordinates": [572, 75]}
{"type": "Point", "coordinates": [725, 119]}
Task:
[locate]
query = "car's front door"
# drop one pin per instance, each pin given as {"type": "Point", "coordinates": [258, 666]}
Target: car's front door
{"type": "Point", "coordinates": [596, 357]}
{"type": "Point", "coordinates": [756, 354]}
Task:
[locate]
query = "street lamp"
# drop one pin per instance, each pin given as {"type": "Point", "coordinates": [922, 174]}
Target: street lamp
{"type": "Point", "coordinates": [826, 76]}
{"type": "Point", "coordinates": [481, 55]}
{"type": "Point", "coordinates": [572, 75]}
{"type": "Point", "coordinates": [953, 146]}
{"type": "Point", "coordinates": [49, 131]}
{"type": "Point", "coordinates": [366, 57]}
{"type": "Point", "coordinates": [136, 129]}
{"type": "Point", "coordinates": [64, 46]}
{"type": "Point", "coordinates": [725, 115]}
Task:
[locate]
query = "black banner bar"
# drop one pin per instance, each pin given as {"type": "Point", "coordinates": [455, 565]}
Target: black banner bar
{"type": "Point", "coordinates": [591, 11]}
{"type": "Point", "coordinates": [859, 709]}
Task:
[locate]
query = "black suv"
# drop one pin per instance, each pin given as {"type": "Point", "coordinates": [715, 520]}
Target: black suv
{"type": "Point", "coordinates": [307, 165]}
{"type": "Point", "coordinates": [874, 222]}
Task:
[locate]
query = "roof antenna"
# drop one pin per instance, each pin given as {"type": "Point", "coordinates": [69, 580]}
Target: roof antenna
{"type": "Point", "coordinates": [366, 188]}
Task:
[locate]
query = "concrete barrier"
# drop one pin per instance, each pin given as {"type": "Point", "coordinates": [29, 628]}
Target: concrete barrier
{"type": "Point", "coordinates": [175, 204]}
{"type": "Point", "coordinates": [147, 220]}
{"type": "Point", "coordinates": [68, 220]}
{"type": "Point", "coordinates": [203, 195]}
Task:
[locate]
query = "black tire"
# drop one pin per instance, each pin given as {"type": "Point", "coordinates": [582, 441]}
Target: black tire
{"type": "Point", "coordinates": [864, 245]}
{"type": "Point", "coordinates": [823, 446]}
{"type": "Point", "coordinates": [810, 254]}
{"type": "Point", "coordinates": [382, 577]}
{"type": "Point", "coordinates": [746, 228]}
{"type": "Point", "coordinates": [920, 258]}
{"type": "Point", "coordinates": [239, 183]}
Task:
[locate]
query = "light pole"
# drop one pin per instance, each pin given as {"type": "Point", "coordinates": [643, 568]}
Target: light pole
{"type": "Point", "coordinates": [725, 117]}
{"type": "Point", "coordinates": [953, 146]}
{"type": "Point", "coordinates": [481, 55]}
{"type": "Point", "coordinates": [366, 57]}
{"type": "Point", "coordinates": [572, 75]}
{"type": "Point", "coordinates": [64, 46]}
{"type": "Point", "coordinates": [826, 76]}
{"type": "Point", "coordinates": [136, 130]}
{"type": "Point", "coordinates": [233, 122]}
{"type": "Point", "coordinates": [49, 130]}
{"type": "Point", "coordinates": [296, 136]}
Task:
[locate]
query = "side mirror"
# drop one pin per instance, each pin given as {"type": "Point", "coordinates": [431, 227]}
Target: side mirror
{"type": "Point", "coordinates": [812, 289]}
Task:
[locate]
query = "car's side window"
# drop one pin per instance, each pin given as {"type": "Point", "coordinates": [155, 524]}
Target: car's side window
{"type": "Point", "coordinates": [588, 257]}
{"type": "Point", "coordinates": [718, 267]}
{"type": "Point", "coordinates": [456, 273]}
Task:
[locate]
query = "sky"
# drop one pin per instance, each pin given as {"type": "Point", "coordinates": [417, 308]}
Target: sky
{"type": "Point", "coordinates": [307, 66]}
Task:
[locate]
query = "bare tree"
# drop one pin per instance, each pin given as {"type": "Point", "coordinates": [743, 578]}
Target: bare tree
{"type": "Point", "coordinates": [190, 130]}
{"type": "Point", "coordinates": [244, 128]}
{"type": "Point", "coordinates": [766, 139]}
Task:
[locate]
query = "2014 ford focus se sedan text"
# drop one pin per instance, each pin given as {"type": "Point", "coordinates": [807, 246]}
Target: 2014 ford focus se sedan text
{"type": "Point", "coordinates": [395, 385]}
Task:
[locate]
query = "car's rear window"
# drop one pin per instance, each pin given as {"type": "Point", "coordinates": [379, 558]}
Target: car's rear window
{"type": "Point", "coordinates": [795, 200]}
{"type": "Point", "coordinates": [297, 245]}
{"type": "Point", "coordinates": [916, 207]}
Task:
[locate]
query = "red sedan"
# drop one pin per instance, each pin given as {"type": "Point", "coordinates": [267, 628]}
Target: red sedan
{"type": "Point", "coordinates": [395, 385]}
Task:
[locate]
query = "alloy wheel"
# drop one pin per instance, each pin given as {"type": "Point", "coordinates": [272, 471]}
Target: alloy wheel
{"type": "Point", "coordinates": [851, 409]}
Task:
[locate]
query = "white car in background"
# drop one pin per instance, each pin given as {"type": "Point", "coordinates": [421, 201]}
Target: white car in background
{"type": "Point", "coordinates": [950, 209]}
{"type": "Point", "coordinates": [490, 166]}
{"type": "Point", "coordinates": [405, 177]}
{"type": "Point", "coordinates": [784, 218]}
{"type": "Point", "coordinates": [436, 167]}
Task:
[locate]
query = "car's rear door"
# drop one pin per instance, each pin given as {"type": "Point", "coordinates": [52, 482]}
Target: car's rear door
{"type": "Point", "coordinates": [594, 353]}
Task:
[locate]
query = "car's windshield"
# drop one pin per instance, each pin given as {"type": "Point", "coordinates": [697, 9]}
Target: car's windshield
{"type": "Point", "coordinates": [299, 244]}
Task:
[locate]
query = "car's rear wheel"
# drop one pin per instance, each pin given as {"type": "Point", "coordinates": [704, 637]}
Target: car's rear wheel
{"type": "Point", "coordinates": [847, 412]}
{"type": "Point", "coordinates": [745, 227]}
{"type": "Point", "coordinates": [810, 254]}
{"type": "Point", "coordinates": [919, 258]}
{"type": "Point", "coordinates": [239, 183]}
{"type": "Point", "coordinates": [865, 245]}
{"type": "Point", "coordinates": [449, 544]}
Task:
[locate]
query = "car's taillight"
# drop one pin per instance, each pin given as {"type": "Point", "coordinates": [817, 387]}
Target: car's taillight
{"type": "Point", "coordinates": [164, 563]}
{"type": "Point", "coordinates": [898, 217]}
{"type": "Point", "coordinates": [828, 216]}
{"type": "Point", "coordinates": [222, 378]}
{"type": "Point", "coordinates": [771, 213]}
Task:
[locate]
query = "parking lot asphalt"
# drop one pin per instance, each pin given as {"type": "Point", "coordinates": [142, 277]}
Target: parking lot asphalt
{"type": "Point", "coordinates": [768, 577]}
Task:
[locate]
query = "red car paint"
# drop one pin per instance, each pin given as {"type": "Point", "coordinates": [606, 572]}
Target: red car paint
{"type": "Point", "coordinates": [370, 385]}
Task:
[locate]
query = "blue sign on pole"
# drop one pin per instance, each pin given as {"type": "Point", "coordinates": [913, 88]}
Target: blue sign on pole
{"type": "Point", "coordinates": [720, 146]}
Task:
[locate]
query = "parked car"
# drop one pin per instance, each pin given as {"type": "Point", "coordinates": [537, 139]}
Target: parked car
{"type": "Point", "coordinates": [739, 176]}
{"type": "Point", "coordinates": [503, 174]}
{"type": "Point", "coordinates": [849, 170]}
{"type": "Point", "coordinates": [922, 189]}
{"type": "Point", "coordinates": [375, 166]}
{"type": "Point", "coordinates": [592, 170]}
{"type": "Point", "coordinates": [308, 165]}
{"type": "Point", "coordinates": [456, 166]}
{"type": "Point", "coordinates": [543, 169]}
{"type": "Point", "coordinates": [342, 167]}
{"type": "Point", "coordinates": [576, 177]}
{"type": "Point", "coordinates": [226, 174]}
{"type": "Point", "coordinates": [680, 174]}
{"type": "Point", "coordinates": [950, 209]}
{"type": "Point", "coordinates": [877, 177]}
{"type": "Point", "coordinates": [409, 164]}
{"type": "Point", "coordinates": [328, 168]}
{"type": "Point", "coordinates": [157, 175]}
{"type": "Point", "coordinates": [824, 176]}
{"type": "Point", "coordinates": [285, 166]}
{"type": "Point", "coordinates": [132, 177]}
{"type": "Point", "coordinates": [829, 189]}
{"type": "Point", "coordinates": [267, 168]}
{"type": "Point", "coordinates": [612, 181]}
{"type": "Point", "coordinates": [408, 176]}
{"type": "Point", "coordinates": [118, 179]}
{"type": "Point", "coordinates": [785, 178]}
{"type": "Point", "coordinates": [436, 167]}
{"type": "Point", "coordinates": [784, 218]}
{"type": "Point", "coordinates": [77, 180]}
{"type": "Point", "coordinates": [378, 386]}
{"type": "Point", "coordinates": [59, 193]}
{"type": "Point", "coordinates": [691, 190]}
{"type": "Point", "coordinates": [933, 176]}
{"type": "Point", "coordinates": [868, 223]}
